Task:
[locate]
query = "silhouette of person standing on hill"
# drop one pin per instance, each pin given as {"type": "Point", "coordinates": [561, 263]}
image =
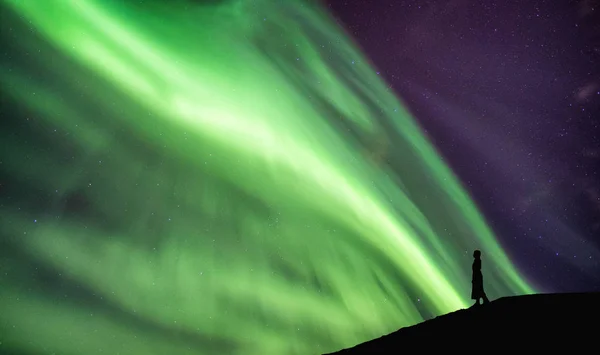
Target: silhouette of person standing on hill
{"type": "Point", "coordinates": [477, 291]}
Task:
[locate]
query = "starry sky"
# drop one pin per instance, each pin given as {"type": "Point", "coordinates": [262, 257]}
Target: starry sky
{"type": "Point", "coordinates": [251, 177]}
{"type": "Point", "coordinates": [509, 92]}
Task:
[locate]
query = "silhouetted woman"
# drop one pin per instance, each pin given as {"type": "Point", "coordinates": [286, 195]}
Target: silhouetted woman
{"type": "Point", "coordinates": [477, 291]}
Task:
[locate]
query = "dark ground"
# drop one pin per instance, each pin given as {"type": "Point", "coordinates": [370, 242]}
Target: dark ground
{"type": "Point", "coordinates": [561, 323]}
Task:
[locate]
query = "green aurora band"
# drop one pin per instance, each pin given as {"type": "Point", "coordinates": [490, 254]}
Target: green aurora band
{"type": "Point", "coordinates": [220, 178]}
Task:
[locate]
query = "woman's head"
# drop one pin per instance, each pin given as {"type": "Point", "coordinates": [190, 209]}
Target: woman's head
{"type": "Point", "coordinates": [476, 254]}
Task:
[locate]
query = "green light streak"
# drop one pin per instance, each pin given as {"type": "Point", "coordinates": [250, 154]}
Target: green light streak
{"type": "Point", "coordinates": [240, 215]}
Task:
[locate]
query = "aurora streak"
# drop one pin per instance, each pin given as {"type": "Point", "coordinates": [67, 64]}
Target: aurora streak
{"type": "Point", "coordinates": [223, 178]}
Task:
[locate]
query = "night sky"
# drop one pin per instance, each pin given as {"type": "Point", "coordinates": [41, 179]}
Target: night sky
{"type": "Point", "coordinates": [509, 92]}
{"type": "Point", "coordinates": [249, 177]}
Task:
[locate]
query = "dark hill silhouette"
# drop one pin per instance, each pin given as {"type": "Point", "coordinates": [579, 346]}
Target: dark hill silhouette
{"type": "Point", "coordinates": [560, 323]}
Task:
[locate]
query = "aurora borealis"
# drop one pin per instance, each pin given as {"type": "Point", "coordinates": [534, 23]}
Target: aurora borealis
{"type": "Point", "coordinates": [232, 177]}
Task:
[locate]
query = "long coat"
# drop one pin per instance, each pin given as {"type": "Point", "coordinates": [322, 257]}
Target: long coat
{"type": "Point", "coordinates": [477, 291]}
